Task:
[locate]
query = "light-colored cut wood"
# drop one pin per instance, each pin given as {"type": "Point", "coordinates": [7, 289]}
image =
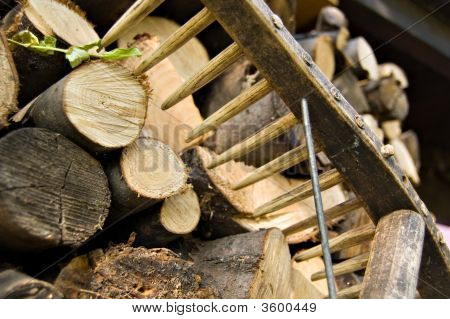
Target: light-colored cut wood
{"type": "Point", "coordinates": [99, 105]}
{"type": "Point", "coordinates": [180, 213]}
{"type": "Point", "coordinates": [303, 286]}
{"type": "Point", "coordinates": [350, 293]}
{"type": "Point", "coordinates": [238, 104]}
{"type": "Point", "coordinates": [189, 30]}
{"type": "Point", "coordinates": [267, 134]}
{"type": "Point", "coordinates": [326, 180]}
{"type": "Point", "coordinates": [187, 60]}
{"type": "Point", "coordinates": [348, 239]}
{"type": "Point", "coordinates": [213, 69]}
{"type": "Point", "coordinates": [362, 56]}
{"type": "Point", "coordinates": [135, 14]}
{"type": "Point", "coordinates": [350, 265]}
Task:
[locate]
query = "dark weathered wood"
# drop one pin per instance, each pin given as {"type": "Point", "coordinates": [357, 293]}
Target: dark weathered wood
{"type": "Point", "coordinates": [353, 150]}
{"type": "Point", "coordinates": [17, 285]}
{"type": "Point", "coordinates": [52, 192]}
{"type": "Point", "coordinates": [136, 273]}
{"type": "Point", "coordinates": [393, 267]}
{"type": "Point", "coordinates": [38, 72]}
{"type": "Point", "coordinates": [252, 265]}
{"type": "Point", "coordinates": [9, 82]}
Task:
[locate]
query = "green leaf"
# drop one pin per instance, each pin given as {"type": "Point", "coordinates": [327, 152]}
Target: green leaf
{"type": "Point", "coordinates": [89, 46]}
{"type": "Point", "coordinates": [76, 56]}
{"type": "Point", "coordinates": [48, 42]}
{"type": "Point", "coordinates": [26, 38]}
{"type": "Point", "coordinates": [118, 54]}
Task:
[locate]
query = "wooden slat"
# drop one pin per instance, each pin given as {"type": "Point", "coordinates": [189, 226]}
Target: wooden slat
{"type": "Point", "coordinates": [350, 265]}
{"type": "Point", "coordinates": [214, 68]}
{"type": "Point", "coordinates": [353, 149]}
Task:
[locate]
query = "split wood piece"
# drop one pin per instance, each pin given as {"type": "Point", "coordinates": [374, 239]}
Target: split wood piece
{"type": "Point", "coordinates": [348, 239]}
{"type": "Point", "coordinates": [187, 60]}
{"type": "Point", "coordinates": [103, 19]}
{"type": "Point", "coordinates": [52, 193]}
{"type": "Point", "coordinates": [100, 106]}
{"type": "Point", "coordinates": [247, 266]}
{"type": "Point", "coordinates": [17, 285]}
{"type": "Point", "coordinates": [133, 273]}
{"type": "Point", "coordinates": [171, 126]}
{"type": "Point", "coordinates": [147, 172]}
{"type": "Point", "coordinates": [238, 104]}
{"type": "Point", "coordinates": [236, 80]}
{"type": "Point", "coordinates": [134, 15]}
{"type": "Point", "coordinates": [321, 48]}
{"type": "Point", "coordinates": [374, 125]}
{"type": "Point", "coordinates": [213, 69]}
{"type": "Point", "coordinates": [159, 226]}
{"type": "Point", "coordinates": [58, 18]}
{"type": "Point", "coordinates": [393, 268]}
{"type": "Point", "coordinates": [330, 214]}
{"type": "Point", "coordinates": [265, 135]}
{"type": "Point", "coordinates": [189, 30]}
{"type": "Point", "coordinates": [285, 161]}
{"type": "Point", "coordinates": [348, 84]}
{"type": "Point", "coordinates": [331, 18]}
{"type": "Point", "coordinates": [392, 129]}
{"type": "Point", "coordinates": [350, 265]}
{"type": "Point", "coordinates": [387, 99]}
{"type": "Point", "coordinates": [363, 58]}
{"type": "Point", "coordinates": [411, 141]}
{"type": "Point", "coordinates": [350, 293]}
{"type": "Point", "coordinates": [405, 160]}
{"type": "Point", "coordinates": [326, 180]}
{"type": "Point", "coordinates": [303, 286]}
{"type": "Point", "coordinates": [9, 82]}
{"type": "Point", "coordinates": [391, 69]}
{"type": "Point", "coordinates": [226, 212]}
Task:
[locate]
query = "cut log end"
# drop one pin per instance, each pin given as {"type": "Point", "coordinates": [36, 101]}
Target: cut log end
{"type": "Point", "coordinates": [152, 169]}
{"type": "Point", "coordinates": [9, 82]}
{"type": "Point", "coordinates": [61, 18]}
{"type": "Point", "coordinates": [51, 192]}
{"type": "Point", "coordinates": [180, 214]}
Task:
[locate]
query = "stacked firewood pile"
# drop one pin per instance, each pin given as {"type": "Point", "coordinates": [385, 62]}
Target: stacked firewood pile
{"type": "Point", "coordinates": [104, 194]}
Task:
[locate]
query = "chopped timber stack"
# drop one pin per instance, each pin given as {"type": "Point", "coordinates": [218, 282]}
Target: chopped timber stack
{"type": "Point", "coordinates": [58, 18]}
{"type": "Point", "coordinates": [252, 265]}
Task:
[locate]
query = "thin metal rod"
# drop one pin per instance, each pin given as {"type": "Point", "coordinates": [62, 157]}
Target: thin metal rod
{"type": "Point", "coordinates": [318, 201]}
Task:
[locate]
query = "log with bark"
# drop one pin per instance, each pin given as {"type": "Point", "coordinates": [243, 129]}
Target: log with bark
{"type": "Point", "coordinates": [58, 18]}
{"type": "Point", "coordinates": [100, 105]}
{"type": "Point", "coordinates": [227, 212]}
{"type": "Point", "coordinates": [171, 126]}
{"type": "Point", "coordinates": [9, 82]}
{"type": "Point", "coordinates": [17, 285]}
{"type": "Point", "coordinates": [148, 171]}
{"type": "Point", "coordinates": [252, 265]}
{"type": "Point", "coordinates": [52, 192]}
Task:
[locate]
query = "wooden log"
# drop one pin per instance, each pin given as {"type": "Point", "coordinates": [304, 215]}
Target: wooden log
{"type": "Point", "coordinates": [391, 69]}
{"type": "Point", "coordinates": [9, 82]}
{"type": "Point", "coordinates": [331, 18]}
{"type": "Point", "coordinates": [411, 141]}
{"type": "Point", "coordinates": [227, 212]}
{"type": "Point", "coordinates": [58, 18]}
{"type": "Point", "coordinates": [52, 192]}
{"type": "Point", "coordinates": [148, 171]}
{"type": "Point", "coordinates": [145, 274]}
{"type": "Point", "coordinates": [247, 266]}
{"type": "Point", "coordinates": [157, 227]}
{"type": "Point", "coordinates": [348, 84]}
{"type": "Point", "coordinates": [100, 106]}
{"type": "Point", "coordinates": [364, 61]}
{"type": "Point", "coordinates": [350, 265]}
{"type": "Point", "coordinates": [350, 292]}
{"type": "Point", "coordinates": [303, 286]}
{"type": "Point", "coordinates": [387, 99]}
{"type": "Point", "coordinates": [171, 126]}
{"type": "Point", "coordinates": [101, 18]}
{"type": "Point", "coordinates": [348, 239]}
{"type": "Point", "coordinates": [17, 285]}
{"type": "Point", "coordinates": [393, 268]}
{"type": "Point", "coordinates": [187, 60]}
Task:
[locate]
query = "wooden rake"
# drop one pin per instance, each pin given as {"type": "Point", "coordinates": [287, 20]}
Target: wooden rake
{"type": "Point", "coordinates": [359, 158]}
